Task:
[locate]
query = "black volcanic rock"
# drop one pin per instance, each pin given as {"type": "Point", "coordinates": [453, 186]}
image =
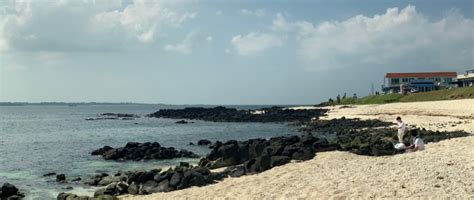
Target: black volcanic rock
{"type": "Point", "coordinates": [257, 155]}
{"type": "Point", "coordinates": [9, 191]}
{"type": "Point", "coordinates": [223, 114]}
{"type": "Point", "coordinates": [139, 151]}
{"type": "Point", "coordinates": [337, 125]}
{"type": "Point", "coordinates": [204, 142]}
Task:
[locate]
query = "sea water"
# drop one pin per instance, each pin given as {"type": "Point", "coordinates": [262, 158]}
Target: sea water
{"type": "Point", "coordinates": [39, 139]}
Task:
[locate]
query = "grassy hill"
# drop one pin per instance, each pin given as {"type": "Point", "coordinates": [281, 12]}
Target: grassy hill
{"type": "Point", "coordinates": [446, 94]}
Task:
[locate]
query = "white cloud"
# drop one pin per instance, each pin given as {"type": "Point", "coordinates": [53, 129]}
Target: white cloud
{"type": "Point", "coordinates": [254, 43]}
{"type": "Point", "coordinates": [258, 12]}
{"type": "Point", "coordinates": [209, 38]}
{"type": "Point", "coordinates": [29, 25]}
{"type": "Point", "coordinates": [184, 46]}
{"type": "Point", "coordinates": [219, 12]}
{"type": "Point", "coordinates": [404, 38]}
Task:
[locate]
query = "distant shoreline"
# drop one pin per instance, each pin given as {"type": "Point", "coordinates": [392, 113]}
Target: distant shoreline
{"type": "Point", "coordinates": [130, 103]}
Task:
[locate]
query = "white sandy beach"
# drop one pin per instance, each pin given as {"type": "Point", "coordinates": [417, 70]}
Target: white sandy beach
{"type": "Point", "coordinates": [444, 169]}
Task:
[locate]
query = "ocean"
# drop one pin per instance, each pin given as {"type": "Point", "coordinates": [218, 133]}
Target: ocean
{"type": "Point", "coordinates": [39, 139]}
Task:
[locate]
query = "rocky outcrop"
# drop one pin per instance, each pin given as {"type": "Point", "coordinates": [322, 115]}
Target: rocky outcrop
{"type": "Point", "coordinates": [61, 178]}
{"type": "Point", "coordinates": [257, 155]}
{"type": "Point", "coordinates": [142, 151]}
{"type": "Point", "coordinates": [70, 196]}
{"type": "Point", "coordinates": [379, 142]}
{"type": "Point", "coordinates": [254, 156]}
{"type": "Point", "coordinates": [10, 192]}
{"type": "Point", "coordinates": [204, 142]}
{"type": "Point", "coordinates": [113, 116]}
{"type": "Point", "coordinates": [223, 114]}
{"type": "Point", "coordinates": [183, 122]}
{"type": "Point", "coordinates": [341, 124]}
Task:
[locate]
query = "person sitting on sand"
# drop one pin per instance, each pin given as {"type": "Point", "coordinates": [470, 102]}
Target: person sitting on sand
{"type": "Point", "coordinates": [401, 129]}
{"type": "Point", "coordinates": [417, 145]}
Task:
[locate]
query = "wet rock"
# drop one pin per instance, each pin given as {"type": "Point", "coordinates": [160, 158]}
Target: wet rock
{"type": "Point", "coordinates": [182, 122]}
{"type": "Point", "coordinates": [61, 178]}
{"type": "Point", "coordinates": [49, 174]}
{"type": "Point", "coordinates": [204, 142]}
{"type": "Point", "coordinates": [9, 191]}
{"type": "Point", "coordinates": [76, 179]}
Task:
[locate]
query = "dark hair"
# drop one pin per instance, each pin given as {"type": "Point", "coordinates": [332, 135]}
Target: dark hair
{"type": "Point", "coordinates": [399, 118]}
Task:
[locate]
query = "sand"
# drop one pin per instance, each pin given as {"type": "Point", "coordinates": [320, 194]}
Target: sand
{"type": "Point", "coordinates": [444, 169]}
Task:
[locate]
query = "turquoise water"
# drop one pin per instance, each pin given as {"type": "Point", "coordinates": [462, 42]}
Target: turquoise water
{"type": "Point", "coordinates": [35, 140]}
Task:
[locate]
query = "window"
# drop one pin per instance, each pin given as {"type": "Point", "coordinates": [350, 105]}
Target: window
{"type": "Point", "coordinates": [447, 80]}
{"type": "Point", "coordinates": [421, 78]}
{"type": "Point", "coordinates": [438, 79]}
{"type": "Point", "coordinates": [395, 81]}
{"type": "Point", "coordinates": [411, 79]}
{"type": "Point", "coordinates": [405, 80]}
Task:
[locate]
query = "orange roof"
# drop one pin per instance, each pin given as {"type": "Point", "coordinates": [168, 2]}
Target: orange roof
{"type": "Point", "coordinates": [421, 75]}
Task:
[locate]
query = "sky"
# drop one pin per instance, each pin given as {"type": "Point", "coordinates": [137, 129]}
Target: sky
{"type": "Point", "coordinates": [223, 52]}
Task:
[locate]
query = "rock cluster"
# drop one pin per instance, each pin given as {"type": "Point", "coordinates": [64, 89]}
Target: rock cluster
{"type": "Point", "coordinates": [250, 157]}
{"type": "Point", "coordinates": [379, 142]}
{"type": "Point", "coordinates": [223, 114]}
{"type": "Point", "coordinates": [257, 155]}
{"type": "Point", "coordinates": [70, 196]}
{"type": "Point", "coordinates": [10, 192]}
{"type": "Point", "coordinates": [341, 124]}
{"type": "Point", "coordinates": [139, 151]}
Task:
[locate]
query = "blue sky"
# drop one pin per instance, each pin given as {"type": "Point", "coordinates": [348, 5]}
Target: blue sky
{"type": "Point", "coordinates": [214, 52]}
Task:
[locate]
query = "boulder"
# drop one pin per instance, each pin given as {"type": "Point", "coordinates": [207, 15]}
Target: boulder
{"type": "Point", "coordinates": [204, 142]}
{"type": "Point", "coordinates": [8, 190]}
{"type": "Point", "coordinates": [133, 188]}
{"type": "Point", "coordinates": [163, 186]}
{"type": "Point", "coordinates": [69, 196]}
{"type": "Point", "coordinates": [61, 178]}
{"type": "Point", "coordinates": [108, 180]}
{"type": "Point", "coordinates": [235, 171]}
{"type": "Point", "coordinates": [148, 187]}
{"type": "Point", "coordinates": [303, 154]}
{"type": "Point", "coordinates": [175, 179]}
{"type": "Point", "coordinates": [279, 160]}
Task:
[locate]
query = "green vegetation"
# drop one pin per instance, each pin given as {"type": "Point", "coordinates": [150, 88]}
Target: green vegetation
{"type": "Point", "coordinates": [446, 94]}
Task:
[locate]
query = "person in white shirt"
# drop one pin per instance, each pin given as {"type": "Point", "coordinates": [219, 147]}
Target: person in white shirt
{"type": "Point", "coordinates": [417, 145]}
{"type": "Point", "coordinates": [401, 129]}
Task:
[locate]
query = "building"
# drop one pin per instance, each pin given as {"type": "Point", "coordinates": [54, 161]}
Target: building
{"type": "Point", "coordinates": [417, 82]}
{"type": "Point", "coordinates": [466, 79]}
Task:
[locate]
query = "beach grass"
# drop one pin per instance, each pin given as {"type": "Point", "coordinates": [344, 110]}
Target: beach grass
{"type": "Point", "coordinates": [445, 94]}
